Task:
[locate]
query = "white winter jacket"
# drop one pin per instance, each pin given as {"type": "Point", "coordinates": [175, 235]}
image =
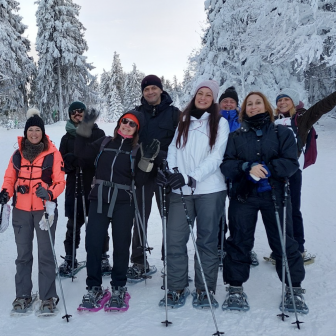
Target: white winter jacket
{"type": "Point", "coordinates": [196, 159]}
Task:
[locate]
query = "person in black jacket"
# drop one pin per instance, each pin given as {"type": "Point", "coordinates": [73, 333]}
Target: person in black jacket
{"type": "Point", "coordinates": [161, 120]}
{"type": "Point", "coordinates": [118, 167]}
{"type": "Point", "coordinates": [72, 164]}
{"type": "Point", "coordinates": [258, 158]}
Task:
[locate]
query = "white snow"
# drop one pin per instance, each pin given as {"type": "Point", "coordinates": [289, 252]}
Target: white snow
{"type": "Point", "coordinates": [144, 316]}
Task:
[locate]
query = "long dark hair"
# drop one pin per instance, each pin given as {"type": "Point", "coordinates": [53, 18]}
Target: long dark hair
{"type": "Point", "coordinates": [183, 126]}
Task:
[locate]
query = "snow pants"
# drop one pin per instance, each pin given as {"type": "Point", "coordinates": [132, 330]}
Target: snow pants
{"type": "Point", "coordinates": [242, 223]}
{"type": "Point", "coordinates": [206, 209]}
{"type": "Point", "coordinates": [295, 185]}
{"type": "Point", "coordinates": [151, 188]}
{"type": "Point", "coordinates": [122, 222]}
{"type": "Point", "coordinates": [24, 223]}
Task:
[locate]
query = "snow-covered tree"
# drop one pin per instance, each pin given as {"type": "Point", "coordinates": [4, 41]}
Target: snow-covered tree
{"type": "Point", "coordinates": [16, 67]}
{"type": "Point", "coordinates": [116, 109]}
{"type": "Point", "coordinates": [63, 70]}
{"type": "Point", "coordinates": [132, 88]}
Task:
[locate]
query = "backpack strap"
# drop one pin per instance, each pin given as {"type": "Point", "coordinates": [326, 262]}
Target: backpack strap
{"type": "Point", "coordinates": [295, 130]}
{"type": "Point", "coordinates": [106, 140]}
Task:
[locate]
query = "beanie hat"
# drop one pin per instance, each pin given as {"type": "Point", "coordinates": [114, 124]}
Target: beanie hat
{"type": "Point", "coordinates": [76, 105]}
{"type": "Point", "coordinates": [210, 84]}
{"type": "Point", "coordinates": [151, 80]}
{"type": "Point", "coordinates": [290, 93]}
{"type": "Point", "coordinates": [34, 119]}
{"type": "Point", "coordinates": [230, 92]}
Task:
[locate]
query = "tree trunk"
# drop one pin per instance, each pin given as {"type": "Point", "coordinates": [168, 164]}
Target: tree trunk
{"type": "Point", "coordinates": [60, 98]}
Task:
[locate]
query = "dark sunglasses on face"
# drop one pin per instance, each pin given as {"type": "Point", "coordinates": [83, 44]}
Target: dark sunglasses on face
{"type": "Point", "coordinates": [73, 112]}
{"type": "Point", "coordinates": [127, 121]}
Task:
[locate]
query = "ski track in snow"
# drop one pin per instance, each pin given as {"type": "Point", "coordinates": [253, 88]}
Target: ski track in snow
{"type": "Point", "coordinates": [144, 317]}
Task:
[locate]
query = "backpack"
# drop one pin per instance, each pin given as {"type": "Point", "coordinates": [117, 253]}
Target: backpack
{"type": "Point", "coordinates": [310, 152]}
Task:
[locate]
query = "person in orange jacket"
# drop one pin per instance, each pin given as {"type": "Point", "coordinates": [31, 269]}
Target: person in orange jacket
{"type": "Point", "coordinates": [34, 178]}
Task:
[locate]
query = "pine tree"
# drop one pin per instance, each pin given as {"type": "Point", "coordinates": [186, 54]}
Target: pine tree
{"type": "Point", "coordinates": [132, 89]}
{"type": "Point", "coordinates": [116, 109]}
{"type": "Point", "coordinates": [63, 71]}
{"type": "Point", "coordinates": [16, 67]}
{"type": "Point", "coordinates": [116, 75]}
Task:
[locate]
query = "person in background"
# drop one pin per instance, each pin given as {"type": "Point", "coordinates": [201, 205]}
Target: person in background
{"type": "Point", "coordinates": [34, 178]}
{"type": "Point", "coordinates": [72, 166]}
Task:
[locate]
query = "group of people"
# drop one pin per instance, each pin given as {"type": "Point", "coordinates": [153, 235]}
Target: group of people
{"type": "Point", "coordinates": [201, 155]}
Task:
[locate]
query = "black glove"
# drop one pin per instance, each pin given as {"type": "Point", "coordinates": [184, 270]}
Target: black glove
{"type": "Point", "coordinates": [42, 193]}
{"type": "Point", "coordinates": [85, 127]}
{"type": "Point", "coordinates": [161, 178]}
{"type": "Point", "coordinates": [176, 181]}
{"type": "Point", "coordinates": [4, 197]}
{"type": "Point", "coordinates": [148, 154]}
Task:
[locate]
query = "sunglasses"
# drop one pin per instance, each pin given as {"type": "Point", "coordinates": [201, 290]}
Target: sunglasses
{"type": "Point", "coordinates": [73, 112]}
{"type": "Point", "coordinates": [127, 121]}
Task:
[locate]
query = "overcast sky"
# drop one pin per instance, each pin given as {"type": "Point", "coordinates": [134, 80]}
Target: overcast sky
{"type": "Point", "coordinates": [156, 35]}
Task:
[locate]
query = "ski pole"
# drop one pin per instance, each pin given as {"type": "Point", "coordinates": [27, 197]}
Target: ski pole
{"type": "Point", "coordinates": [83, 195]}
{"type": "Point", "coordinates": [74, 228]}
{"type": "Point", "coordinates": [222, 240]}
{"type": "Point", "coordinates": [217, 333]}
{"type": "Point", "coordinates": [143, 227]}
{"type": "Point", "coordinates": [284, 254]}
{"type": "Point", "coordinates": [66, 316]}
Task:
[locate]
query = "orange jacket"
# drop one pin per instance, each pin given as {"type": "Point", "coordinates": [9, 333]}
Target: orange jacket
{"type": "Point", "coordinates": [30, 175]}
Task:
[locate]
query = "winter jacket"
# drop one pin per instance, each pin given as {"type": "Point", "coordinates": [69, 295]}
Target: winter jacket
{"type": "Point", "coordinates": [197, 160]}
{"type": "Point", "coordinates": [232, 118]}
{"type": "Point", "coordinates": [307, 118]}
{"type": "Point", "coordinates": [71, 163]}
{"type": "Point", "coordinates": [111, 166]}
{"type": "Point", "coordinates": [276, 147]}
{"type": "Point", "coordinates": [30, 175]}
{"type": "Point", "coordinates": [160, 123]}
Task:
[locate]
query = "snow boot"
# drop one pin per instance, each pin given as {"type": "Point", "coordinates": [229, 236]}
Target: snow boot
{"type": "Point", "coordinates": [175, 299]}
{"type": "Point", "coordinates": [48, 307]}
{"type": "Point", "coordinates": [119, 299]}
{"type": "Point", "coordinates": [105, 265]}
{"type": "Point", "coordinates": [300, 304]}
{"type": "Point", "coordinates": [201, 300]}
{"type": "Point", "coordinates": [65, 269]}
{"type": "Point", "coordinates": [94, 299]}
{"type": "Point", "coordinates": [236, 299]}
{"type": "Point", "coordinates": [254, 258]}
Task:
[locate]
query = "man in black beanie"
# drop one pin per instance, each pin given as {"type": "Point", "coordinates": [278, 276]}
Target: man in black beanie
{"type": "Point", "coordinates": [161, 119]}
{"type": "Point", "coordinates": [72, 166]}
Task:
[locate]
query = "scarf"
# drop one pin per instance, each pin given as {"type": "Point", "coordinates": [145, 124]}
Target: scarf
{"type": "Point", "coordinates": [124, 136]}
{"type": "Point", "coordinates": [197, 113]}
{"type": "Point", "coordinates": [31, 151]}
{"type": "Point", "coordinates": [258, 120]}
{"type": "Point", "coordinates": [70, 127]}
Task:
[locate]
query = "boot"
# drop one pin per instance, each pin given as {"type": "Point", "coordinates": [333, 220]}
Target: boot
{"type": "Point", "coordinates": [236, 299]}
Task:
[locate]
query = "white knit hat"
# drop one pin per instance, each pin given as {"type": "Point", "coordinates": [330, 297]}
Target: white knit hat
{"type": "Point", "coordinates": [212, 85]}
{"type": "Point", "coordinates": [290, 93]}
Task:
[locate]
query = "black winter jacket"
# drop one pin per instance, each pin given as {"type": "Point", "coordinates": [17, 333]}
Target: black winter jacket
{"type": "Point", "coordinates": [71, 163]}
{"type": "Point", "coordinates": [111, 166]}
{"type": "Point", "coordinates": [160, 123]}
{"type": "Point", "coordinates": [276, 147]}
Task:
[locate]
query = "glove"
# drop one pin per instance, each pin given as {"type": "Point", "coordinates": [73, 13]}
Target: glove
{"type": "Point", "coordinates": [161, 179]}
{"type": "Point", "coordinates": [176, 181]}
{"type": "Point", "coordinates": [4, 197]}
{"type": "Point", "coordinates": [148, 154]}
{"type": "Point", "coordinates": [42, 193]}
{"type": "Point", "coordinates": [50, 210]}
{"type": "Point", "coordinates": [263, 184]}
{"type": "Point", "coordinates": [85, 127]}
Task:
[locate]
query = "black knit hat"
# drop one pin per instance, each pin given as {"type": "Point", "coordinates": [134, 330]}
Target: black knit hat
{"type": "Point", "coordinates": [76, 105]}
{"type": "Point", "coordinates": [34, 119]}
{"type": "Point", "coordinates": [151, 80]}
{"type": "Point", "coordinates": [230, 92]}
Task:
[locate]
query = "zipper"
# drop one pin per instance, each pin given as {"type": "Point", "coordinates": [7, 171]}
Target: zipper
{"type": "Point", "coordinates": [154, 111]}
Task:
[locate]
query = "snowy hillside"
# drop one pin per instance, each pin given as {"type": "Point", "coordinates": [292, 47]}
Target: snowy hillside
{"type": "Point", "coordinates": [144, 316]}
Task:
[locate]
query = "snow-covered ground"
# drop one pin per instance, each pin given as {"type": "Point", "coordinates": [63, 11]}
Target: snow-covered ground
{"type": "Point", "coordinates": [144, 316]}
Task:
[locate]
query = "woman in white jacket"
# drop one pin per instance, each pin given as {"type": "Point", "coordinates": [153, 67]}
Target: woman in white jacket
{"type": "Point", "coordinates": [196, 151]}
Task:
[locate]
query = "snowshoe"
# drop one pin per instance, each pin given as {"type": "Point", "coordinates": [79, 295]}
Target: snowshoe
{"type": "Point", "coordinates": [308, 258]}
{"type": "Point", "coordinates": [236, 299]}
{"type": "Point", "coordinates": [300, 304]}
{"type": "Point", "coordinates": [106, 268]}
{"type": "Point", "coordinates": [201, 300]}
{"type": "Point", "coordinates": [95, 299]}
{"type": "Point", "coordinates": [23, 305]}
{"type": "Point", "coordinates": [175, 299]}
{"type": "Point", "coordinates": [48, 307]}
{"type": "Point", "coordinates": [270, 259]}
{"type": "Point", "coordinates": [254, 259]}
{"type": "Point", "coordinates": [136, 273]}
{"type": "Point", "coordinates": [118, 301]}
{"type": "Point", "coordinates": [65, 269]}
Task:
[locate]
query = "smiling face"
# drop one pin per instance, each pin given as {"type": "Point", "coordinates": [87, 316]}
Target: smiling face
{"type": "Point", "coordinates": [228, 104]}
{"type": "Point", "coordinates": [203, 98]}
{"type": "Point", "coordinates": [284, 104]}
{"type": "Point", "coordinates": [77, 116]}
{"type": "Point", "coordinates": [152, 94]}
{"type": "Point", "coordinates": [126, 129]}
{"type": "Point", "coordinates": [34, 134]}
{"type": "Point", "coordinates": [255, 105]}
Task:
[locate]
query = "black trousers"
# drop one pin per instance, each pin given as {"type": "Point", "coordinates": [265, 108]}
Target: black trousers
{"type": "Point", "coordinates": [295, 185]}
{"type": "Point", "coordinates": [151, 188]}
{"type": "Point", "coordinates": [122, 222]}
{"type": "Point", "coordinates": [69, 236]}
{"type": "Point", "coordinates": [242, 223]}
